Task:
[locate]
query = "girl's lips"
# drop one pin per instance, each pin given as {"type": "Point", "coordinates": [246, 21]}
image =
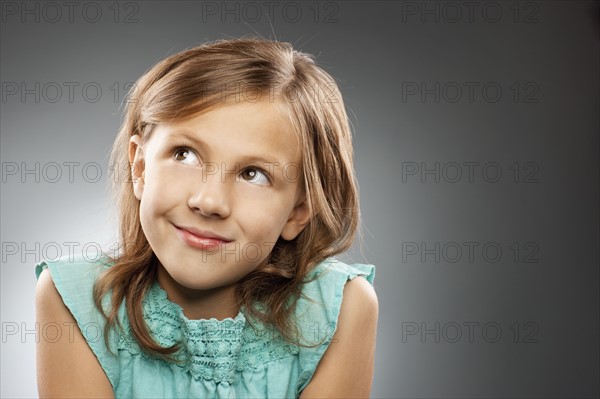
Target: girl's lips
{"type": "Point", "coordinates": [205, 241]}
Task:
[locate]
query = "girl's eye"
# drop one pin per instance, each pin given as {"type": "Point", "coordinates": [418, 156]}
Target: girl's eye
{"type": "Point", "coordinates": [185, 155]}
{"type": "Point", "coordinates": [255, 176]}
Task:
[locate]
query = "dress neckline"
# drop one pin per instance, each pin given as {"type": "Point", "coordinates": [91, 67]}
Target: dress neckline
{"type": "Point", "coordinates": [158, 299]}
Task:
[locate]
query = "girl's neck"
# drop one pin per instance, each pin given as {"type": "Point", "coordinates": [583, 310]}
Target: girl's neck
{"type": "Point", "coordinates": [218, 303]}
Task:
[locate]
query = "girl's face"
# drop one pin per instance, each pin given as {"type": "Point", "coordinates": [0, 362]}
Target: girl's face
{"type": "Point", "coordinates": [217, 191]}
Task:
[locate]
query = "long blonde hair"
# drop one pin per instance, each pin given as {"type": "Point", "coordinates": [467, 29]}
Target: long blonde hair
{"type": "Point", "coordinates": [194, 80]}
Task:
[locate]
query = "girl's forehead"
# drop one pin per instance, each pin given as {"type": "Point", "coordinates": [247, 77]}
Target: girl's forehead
{"type": "Point", "coordinates": [264, 114]}
{"type": "Point", "coordinates": [239, 126]}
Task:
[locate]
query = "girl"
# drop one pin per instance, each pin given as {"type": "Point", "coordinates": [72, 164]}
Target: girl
{"type": "Point", "coordinates": [242, 190]}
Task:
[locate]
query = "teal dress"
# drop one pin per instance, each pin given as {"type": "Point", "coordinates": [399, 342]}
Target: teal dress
{"type": "Point", "coordinates": [219, 358]}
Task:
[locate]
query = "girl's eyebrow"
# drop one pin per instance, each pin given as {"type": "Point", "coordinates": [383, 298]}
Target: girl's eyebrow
{"type": "Point", "coordinates": [186, 134]}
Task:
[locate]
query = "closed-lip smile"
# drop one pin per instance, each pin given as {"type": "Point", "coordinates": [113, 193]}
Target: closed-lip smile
{"type": "Point", "coordinates": [202, 239]}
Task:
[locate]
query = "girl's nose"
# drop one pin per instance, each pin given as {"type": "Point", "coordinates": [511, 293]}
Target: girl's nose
{"type": "Point", "coordinates": [210, 197]}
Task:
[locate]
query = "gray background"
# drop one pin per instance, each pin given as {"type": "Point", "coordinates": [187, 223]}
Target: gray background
{"type": "Point", "coordinates": [441, 310]}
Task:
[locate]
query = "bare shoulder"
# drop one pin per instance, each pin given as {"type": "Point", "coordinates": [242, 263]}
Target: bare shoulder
{"type": "Point", "coordinates": [66, 366]}
{"type": "Point", "coordinates": [346, 369]}
{"type": "Point", "coordinates": [359, 300]}
{"type": "Point", "coordinates": [46, 295]}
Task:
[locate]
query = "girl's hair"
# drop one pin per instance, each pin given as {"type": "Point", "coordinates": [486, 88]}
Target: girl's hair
{"type": "Point", "coordinates": [202, 77]}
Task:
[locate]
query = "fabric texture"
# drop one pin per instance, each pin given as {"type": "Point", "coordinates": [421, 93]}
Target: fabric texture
{"type": "Point", "coordinates": [218, 358]}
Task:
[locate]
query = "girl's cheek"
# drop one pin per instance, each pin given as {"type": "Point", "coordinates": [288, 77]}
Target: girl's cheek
{"type": "Point", "coordinates": [269, 228]}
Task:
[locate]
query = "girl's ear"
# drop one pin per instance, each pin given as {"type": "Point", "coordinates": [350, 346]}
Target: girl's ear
{"type": "Point", "coordinates": [297, 221]}
{"type": "Point", "coordinates": [136, 161]}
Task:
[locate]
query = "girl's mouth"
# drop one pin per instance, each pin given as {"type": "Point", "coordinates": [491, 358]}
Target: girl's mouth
{"type": "Point", "coordinates": [200, 239]}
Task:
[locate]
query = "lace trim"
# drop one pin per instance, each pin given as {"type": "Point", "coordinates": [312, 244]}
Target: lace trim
{"type": "Point", "coordinates": [213, 349]}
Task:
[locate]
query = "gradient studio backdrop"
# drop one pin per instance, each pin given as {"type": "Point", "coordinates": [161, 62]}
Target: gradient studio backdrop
{"type": "Point", "coordinates": [476, 143]}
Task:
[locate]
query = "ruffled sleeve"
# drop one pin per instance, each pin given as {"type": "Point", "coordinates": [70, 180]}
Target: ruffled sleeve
{"type": "Point", "coordinates": [74, 278]}
{"type": "Point", "coordinates": [317, 314]}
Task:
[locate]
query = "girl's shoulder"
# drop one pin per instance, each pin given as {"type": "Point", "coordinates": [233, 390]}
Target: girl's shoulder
{"type": "Point", "coordinates": [333, 269]}
{"type": "Point", "coordinates": [74, 265]}
{"type": "Point", "coordinates": [74, 277]}
{"type": "Point", "coordinates": [325, 284]}
{"type": "Point", "coordinates": [318, 309]}
{"type": "Point", "coordinates": [322, 293]}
